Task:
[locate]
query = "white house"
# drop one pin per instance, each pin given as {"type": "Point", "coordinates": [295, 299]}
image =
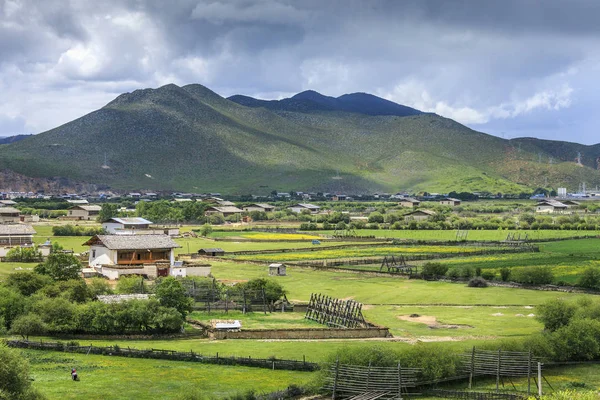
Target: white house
{"type": "Point", "coordinates": [117, 255]}
{"type": "Point", "coordinates": [114, 225]}
{"type": "Point", "coordinates": [84, 212]}
{"type": "Point", "coordinates": [298, 208]}
{"type": "Point", "coordinates": [419, 215]}
{"type": "Point", "coordinates": [225, 210]}
{"type": "Point", "coordinates": [449, 201]}
{"type": "Point", "coordinates": [409, 202]}
{"type": "Point", "coordinates": [263, 207]}
{"type": "Point", "coordinates": [183, 269]}
{"type": "Point", "coordinates": [15, 235]}
{"type": "Point", "coordinates": [9, 215]}
{"type": "Point", "coordinates": [550, 206]}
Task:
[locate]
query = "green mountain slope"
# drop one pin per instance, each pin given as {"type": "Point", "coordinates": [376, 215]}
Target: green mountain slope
{"type": "Point", "coordinates": [191, 139]}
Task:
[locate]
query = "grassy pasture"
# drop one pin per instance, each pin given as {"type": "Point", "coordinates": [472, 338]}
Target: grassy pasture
{"type": "Point", "coordinates": [361, 252]}
{"type": "Point", "coordinates": [301, 282]}
{"type": "Point", "coordinates": [105, 377]}
{"type": "Point", "coordinates": [474, 235]}
{"type": "Point", "coordinates": [258, 320]}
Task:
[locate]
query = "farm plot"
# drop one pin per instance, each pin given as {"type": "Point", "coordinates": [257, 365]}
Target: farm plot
{"type": "Point", "coordinates": [258, 320]}
{"type": "Point", "coordinates": [567, 259]}
{"type": "Point", "coordinates": [473, 235]}
{"type": "Point", "coordinates": [301, 282]}
{"type": "Point", "coordinates": [364, 252]}
{"type": "Point", "coordinates": [458, 322]}
{"type": "Point", "coordinates": [105, 377]}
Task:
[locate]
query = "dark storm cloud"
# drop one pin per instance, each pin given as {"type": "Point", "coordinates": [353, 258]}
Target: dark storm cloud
{"type": "Point", "coordinates": [516, 65]}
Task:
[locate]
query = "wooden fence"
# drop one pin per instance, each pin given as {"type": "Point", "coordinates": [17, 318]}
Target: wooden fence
{"type": "Point", "coordinates": [466, 395]}
{"type": "Point", "coordinates": [353, 380]}
{"type": "Point", "coordinates": [191, 356]}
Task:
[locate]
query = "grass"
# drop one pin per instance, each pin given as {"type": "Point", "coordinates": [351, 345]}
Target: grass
{"type": "Point", "coordinates": [567, 259]}
{"type": "Point", "coordinates": [457, 322]}
{"type": "Point", "coordinates": [361, 252]}
{"type": "Point", "coordinates": [473, 235]}
{"type": "Point", "coordinates": [301, 282]}
{"type": "Point", "coordinates": [9, 267]}
{"type": "Point", "coordinates": [192, 245]}
{"type": "Point", "coordinates": [103, 377]}
{"type": "Point", "coordinates": [258, 320]}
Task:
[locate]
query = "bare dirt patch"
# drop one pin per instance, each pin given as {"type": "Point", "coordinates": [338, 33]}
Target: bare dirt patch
{"type": "Point", "coordinates": [431, 322]}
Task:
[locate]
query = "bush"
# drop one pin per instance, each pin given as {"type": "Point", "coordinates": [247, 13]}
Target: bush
{"type": "Point", "coordinates": [60, 267]}
{"type": "Point", "coordinates": [15, 379]}
{"type": "Point", "coordinates": [577, 341]}
{"type": "Point", "coordinates": [131, 285]}
{"type": "Point", "coordinates": [488, 275]}
{"type": "Point", "coordinates": [505, 274]}
{"type": "Point", "coordinates": [24, 254]}
{"type": "Point", "coordinates": [434, 269]}
{"type": "Point", "coordinates": [27, 282]}
{"type": "Point", "coordinates": [533, 275]}
{"type": "Point", "coordinates": [460, 271]}
{"type": "Point", "coordinates": [478, 282]}
{"type": "Point", "coordinates": [590, 278]}
{"type": "Point", "coordinates": [72, 230]}
{"type": "Point", "coordinates": [555, 314]}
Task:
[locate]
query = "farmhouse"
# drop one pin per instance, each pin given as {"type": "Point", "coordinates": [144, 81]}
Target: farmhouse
{"type": "Point", "coordinates": [263, 207]}
{"type": "Point", "coordinates": [84, 212]}
{"type": "Point", "coordinates": [409, 202]}
{"type": "Point", "coordinates": [9, 215]}
{"type": "Point", "coordinates": [449, 201]}
{"type": "Point", "coordinates": [225, 210]}
{"type": "Point", "coordinates": [214, 252]}
{"type": "Point", "coordinates": [117, 255]}
{"type": "Point", "coordinates": [4, 203]}
{"type": "Point", "coordinates": [183, 269]}
{"type": "Point", "coordinates": [118, 225]}
{"type": "Point", "coordinates": [277, 270]}
{"type": "Point", "coordinates": [550, 206]}
{"type": "Point", "coordinates": [419, 215]}
{"type": "Point", "coordinates": [571, 203]}
{"type": "Point", "coordinates": [15, 235]}
{"type": "Point", "coordinates": [298, 208]}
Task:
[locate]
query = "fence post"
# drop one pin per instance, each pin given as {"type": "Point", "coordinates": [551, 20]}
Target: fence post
{"type": "Point", "coordinates": [335, 379]}
{"type": "Point", "coordinates": [369, 376]}
{"type": "Point", "coordinates": [529, 374]}
{"type": "Point", "coordinates": [539, 379]}
{"type": "Point", "coordinates": [472, 368]}
{"type": "Point", "coordinates": [498, 372]}
{"type": "Point", "coordinates": [399, 382]}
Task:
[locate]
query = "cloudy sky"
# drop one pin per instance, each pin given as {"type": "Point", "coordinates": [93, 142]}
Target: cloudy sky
{"type": "Point", "coordinates": [511, 68]}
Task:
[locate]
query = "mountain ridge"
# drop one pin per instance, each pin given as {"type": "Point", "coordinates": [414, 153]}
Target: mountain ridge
{"type": "Point", "coordinates": [189, 138]}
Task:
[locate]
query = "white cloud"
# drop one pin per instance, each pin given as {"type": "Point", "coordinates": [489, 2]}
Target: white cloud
{"type": "Point", "coordinates": [271, 12]}
{"type": "Point", "coordinates": [415, 94]}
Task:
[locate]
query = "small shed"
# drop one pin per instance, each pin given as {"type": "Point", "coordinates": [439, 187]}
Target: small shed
{"type": "Point", "coordinates": [277, 270]}
{"type": "Point", "coordinates": [215, 252]}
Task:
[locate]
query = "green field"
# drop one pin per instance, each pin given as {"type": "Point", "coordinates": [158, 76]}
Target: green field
{"type": "Point", "coordinates": [473, 235]}
{"type": "Point", "coordinates": [103, 377]}
{"type": "Point", "coordinates": [258, 320]}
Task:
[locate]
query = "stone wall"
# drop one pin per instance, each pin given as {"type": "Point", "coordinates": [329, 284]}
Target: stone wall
{"type": "Point", "coordinates": [303, 333]}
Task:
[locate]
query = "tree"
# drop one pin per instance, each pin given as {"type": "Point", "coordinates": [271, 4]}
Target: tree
{"type": "Point", "coordinates": [131, 285]}
{"type": "Point", "coordinates": [99, 286]}
{"type": "Point", "coordinates": [12, 304]}
{"type": "Point", "coordinates": [590, 278]}
{"type": "Point", "coordinates": [272, 289]}
{"type": "Point", "coordinates": [27, 282]}
{"type": "Point", "coordinates": [24, 254]}
{"type": "Point", "coordinates": [60, 267]}
{"type": "Point", "coordinates": [171, 293]}
{"type": "Point", "coordinates": [28, 325]}
{"type": "Point", "coordinates": [206, 230]}
{"type": "Point", "coordinates": [555, 314]}
{"type": "Point", "coordinates": [107, 212]}
{"type": "Point", "coordinates": [15, 379]}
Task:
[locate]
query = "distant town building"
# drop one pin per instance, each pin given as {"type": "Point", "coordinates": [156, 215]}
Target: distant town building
{"type": "Point", "coordinates": [84, 212]}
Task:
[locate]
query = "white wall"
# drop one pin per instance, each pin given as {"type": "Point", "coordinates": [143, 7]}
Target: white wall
{"type": "Point", "coordinates": [190, 271]}
{"type": "Point", "coordinates": [110, 227]}
{"type": "Point", "coordinates": [94, 259]}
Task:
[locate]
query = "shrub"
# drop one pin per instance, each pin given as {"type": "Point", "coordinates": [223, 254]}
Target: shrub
{"type": "Point", "coordinates": [505, 274]}
{"type": "Point", "coordinates": [533, 275]}
{"type": "Point", "coordinates": [590, 278]}
{"type": "Point", "coordinates": [460, 271]}
{"type": "Point", "coordinates": [434, 269]}
{"type": "Point", "coordinates": [577, 341]}
{"type": "Point", "coordinates": [555, 314]}
{"type": "Point", "coordinates": [60, 267]}
{"type": "Point", "coordinates": [488, 275]}
{"type": "Point", "coordinates": [478, 271]}
{"type": "Point", "coordinates": [478, 282]}
{"type": "Point", "coordinates": [24, 254]}
{"type": "Point", "coordinates": [131, 285]}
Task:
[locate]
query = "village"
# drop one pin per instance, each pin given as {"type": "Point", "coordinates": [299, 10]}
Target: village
{"type": "Point", "coordinates": [301, 288]}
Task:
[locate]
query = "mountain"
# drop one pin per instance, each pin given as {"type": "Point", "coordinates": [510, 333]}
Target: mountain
{"type": "Point", "coordinates": [191, 139]}
{"type": "Point", "coordinates": [310, 100]}
{"type": "Point", "coordinates": [12, 139]}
